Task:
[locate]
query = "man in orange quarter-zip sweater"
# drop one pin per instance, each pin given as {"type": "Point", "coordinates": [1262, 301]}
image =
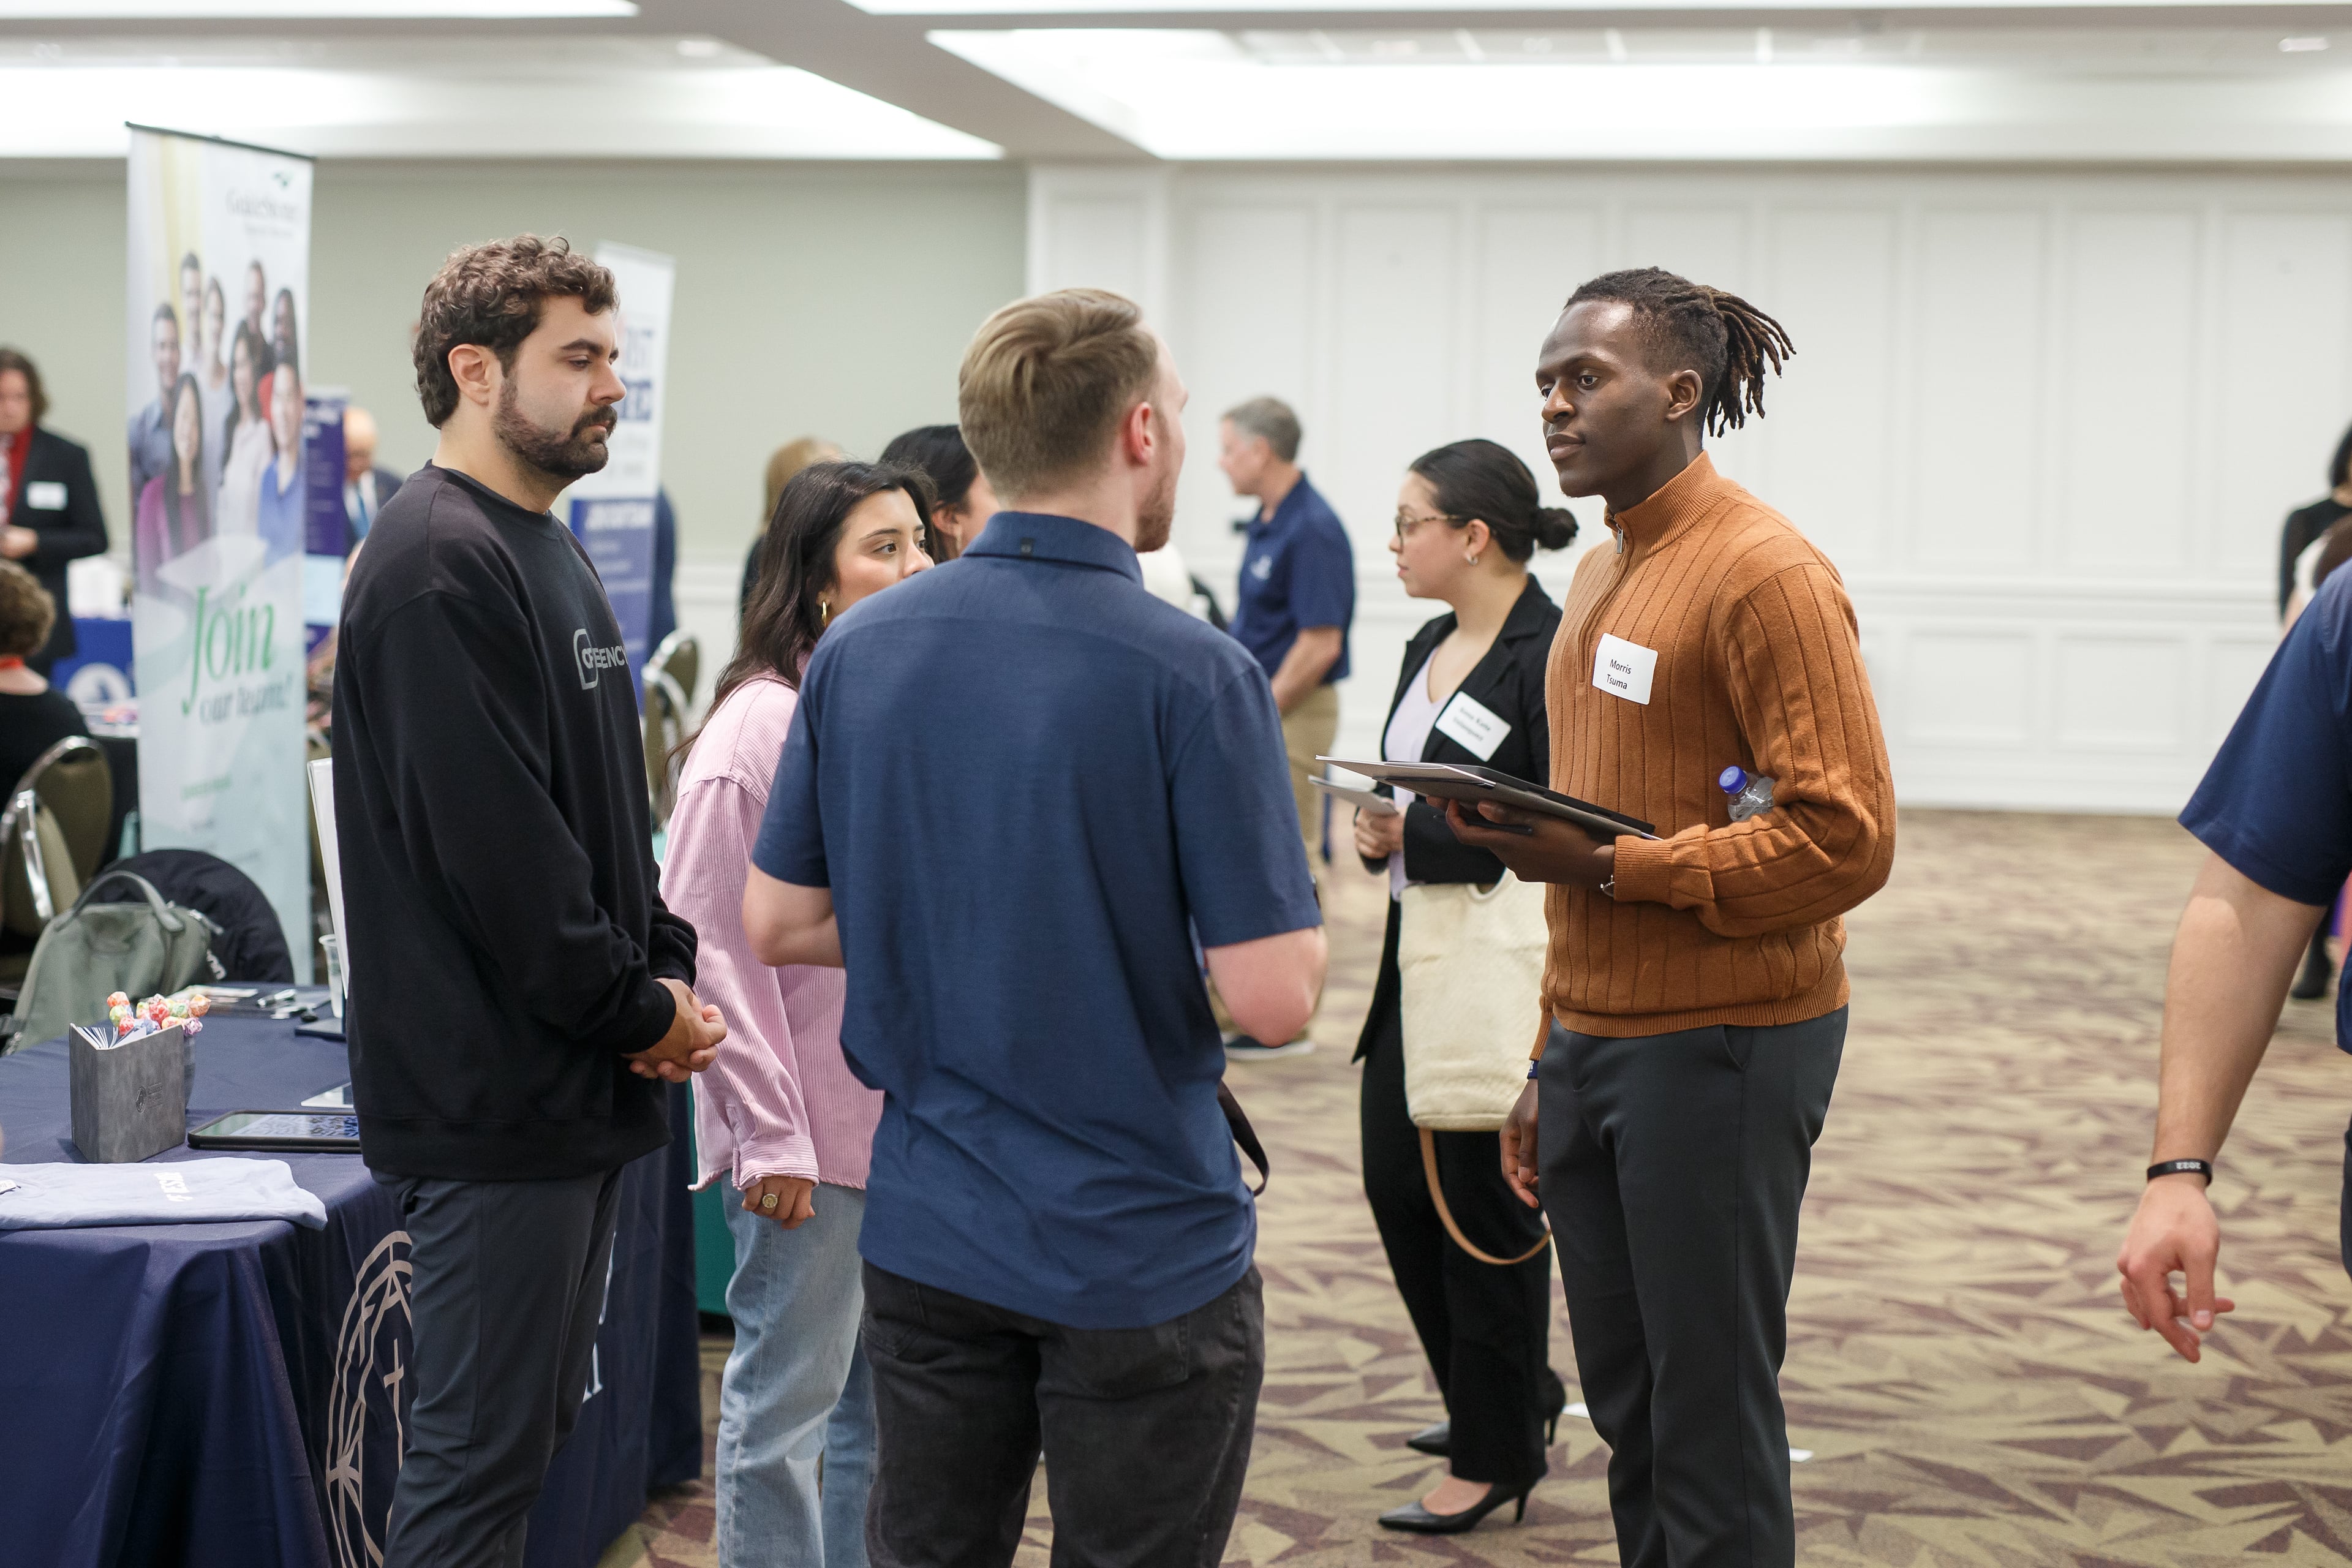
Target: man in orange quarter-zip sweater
{"type": "Point", "coordinates": [1695, 988]}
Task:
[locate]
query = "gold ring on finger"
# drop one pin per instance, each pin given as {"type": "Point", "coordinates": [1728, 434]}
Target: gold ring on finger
{"type": "Point", "coordinates": [768, 1200]}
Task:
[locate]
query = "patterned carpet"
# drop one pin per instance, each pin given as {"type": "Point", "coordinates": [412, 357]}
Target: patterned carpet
{"type": "Point", "coordinates": [1960, 1362]}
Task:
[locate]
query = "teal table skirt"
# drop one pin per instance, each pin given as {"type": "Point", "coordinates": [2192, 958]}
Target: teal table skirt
{"type": "Point", "coordinates": [714, 1246]}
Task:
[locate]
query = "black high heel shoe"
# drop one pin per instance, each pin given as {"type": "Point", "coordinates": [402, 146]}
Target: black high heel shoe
{"type": "Point", "coordinates": [1418, 1521]}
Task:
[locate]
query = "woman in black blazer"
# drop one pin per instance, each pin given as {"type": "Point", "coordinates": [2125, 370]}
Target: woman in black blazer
{"type": "Point", "coordinates": [1468, 518]}
{"type": "Point", "coordinates": [50, 506]}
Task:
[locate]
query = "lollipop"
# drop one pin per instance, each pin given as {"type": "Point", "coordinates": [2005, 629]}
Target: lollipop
{"type": "Point", "coordinates": [199, 1005]}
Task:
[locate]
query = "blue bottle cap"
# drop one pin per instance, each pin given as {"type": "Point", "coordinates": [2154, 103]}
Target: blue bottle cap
{"type": "Point", "coordinates": [1732, 780]}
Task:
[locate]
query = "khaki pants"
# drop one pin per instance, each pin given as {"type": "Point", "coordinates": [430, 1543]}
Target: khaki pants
{"type": "Point", "coordinates": [1307, 733]}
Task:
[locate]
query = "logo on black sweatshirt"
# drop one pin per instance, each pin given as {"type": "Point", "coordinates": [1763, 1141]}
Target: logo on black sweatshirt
{"type": "Point", "coordinates": [594, 661]}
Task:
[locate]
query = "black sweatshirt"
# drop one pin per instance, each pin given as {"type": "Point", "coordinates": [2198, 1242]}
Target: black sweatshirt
{"type": "Point", "coordinates": [499, 881]}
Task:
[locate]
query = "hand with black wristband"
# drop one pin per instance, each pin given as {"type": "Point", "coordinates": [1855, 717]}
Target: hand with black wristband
{"type": "Point", "coordinates": [2237, 948]}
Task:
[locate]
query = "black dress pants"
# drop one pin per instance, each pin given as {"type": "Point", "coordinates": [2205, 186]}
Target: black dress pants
{"type": "Point", "coordinates": [1486, 1329]}
{"type": "Point", "coordinates": [1145, 1432]}
{"type": "Point", "coordinates": [1673, 1167]}
{"type": "Point", "coordinates": [506, 1289]}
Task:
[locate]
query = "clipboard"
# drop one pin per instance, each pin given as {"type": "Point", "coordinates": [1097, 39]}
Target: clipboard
{"type": "Point", "coordinates": [1445, 781]}
{"type": "Point", "coordinates": [1378, 805]}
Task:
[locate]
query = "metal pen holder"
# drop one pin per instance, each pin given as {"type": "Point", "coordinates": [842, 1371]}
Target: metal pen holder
{"type": "Point", "coordinates": [130, 1098]}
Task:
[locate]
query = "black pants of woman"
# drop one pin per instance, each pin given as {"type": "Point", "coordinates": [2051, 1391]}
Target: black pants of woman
{"type": "Point", "coordinates": [1486, 1329]}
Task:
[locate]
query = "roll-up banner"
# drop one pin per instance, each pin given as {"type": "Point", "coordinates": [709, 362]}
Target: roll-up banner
{"type": "Point", "coordinates": [613, 509]}
{"type": "Point", "coordinates": [219, 291]}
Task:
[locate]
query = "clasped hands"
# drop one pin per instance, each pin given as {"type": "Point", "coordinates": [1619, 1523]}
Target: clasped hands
{"type": "Point", "coordinates": [691, 1044]}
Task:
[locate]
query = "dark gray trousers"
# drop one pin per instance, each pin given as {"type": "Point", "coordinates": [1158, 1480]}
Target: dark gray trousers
{"type": "Point", "coordinates": [1673, 1167]}
{"type": "Point", "coordinates": [1145, 1432]}
{"type": "Point", "coordinates": [507, 1288]}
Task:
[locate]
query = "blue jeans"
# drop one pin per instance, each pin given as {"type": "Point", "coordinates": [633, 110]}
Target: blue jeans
{"type": "Point", "coordinates": [796, 1390]}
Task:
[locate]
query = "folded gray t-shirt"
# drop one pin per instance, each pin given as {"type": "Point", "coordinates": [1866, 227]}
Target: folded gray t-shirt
{"type": "Point", "coordinates": [185, 1192]}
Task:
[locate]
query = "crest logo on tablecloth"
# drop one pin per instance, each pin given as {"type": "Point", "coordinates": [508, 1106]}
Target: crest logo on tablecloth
{"type": "Point", "coordinates": [369, 1398]}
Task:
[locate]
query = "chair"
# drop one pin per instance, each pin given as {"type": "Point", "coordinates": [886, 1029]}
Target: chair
{"type": "Point", "coordinates": [680, 658]}
{"type": "Point", "coordinates": [74, 781]}
{"type": "Point", "coordinates": [53, 835]}
{"type": "Point", "coordinates": [670, 701]}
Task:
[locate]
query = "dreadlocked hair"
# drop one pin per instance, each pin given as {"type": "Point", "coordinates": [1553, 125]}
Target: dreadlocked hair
{"type": "Point", "coordinates": [1730, 343]}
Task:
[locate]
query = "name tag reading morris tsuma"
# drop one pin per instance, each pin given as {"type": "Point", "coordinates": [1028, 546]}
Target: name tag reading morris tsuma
{"type": "Point", "coordinates": [1478, 727]}
{"type": "Point", "coordinates": [1624, 668]}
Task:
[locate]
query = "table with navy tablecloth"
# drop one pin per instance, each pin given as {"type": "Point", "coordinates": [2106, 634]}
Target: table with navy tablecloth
{"type": "Point", "coordinates": [234, 1393]}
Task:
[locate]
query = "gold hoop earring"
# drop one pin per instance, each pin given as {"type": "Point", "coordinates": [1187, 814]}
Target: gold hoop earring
{"type": "Point", "coordinates": [823, 613]}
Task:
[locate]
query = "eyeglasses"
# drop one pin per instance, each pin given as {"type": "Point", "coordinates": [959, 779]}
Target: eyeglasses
{"type": "Point", "coordinates": [1405, 523]}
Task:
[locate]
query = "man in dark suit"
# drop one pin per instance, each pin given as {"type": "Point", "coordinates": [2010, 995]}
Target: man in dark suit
{"type": "Point", "coordinates": [48, 502]}
{"type": "Point", "coordinates": [366, 487]}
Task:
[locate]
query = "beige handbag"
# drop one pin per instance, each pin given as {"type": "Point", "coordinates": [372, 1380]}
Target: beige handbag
{"type": "Point", "coordinates": [1471, 960]}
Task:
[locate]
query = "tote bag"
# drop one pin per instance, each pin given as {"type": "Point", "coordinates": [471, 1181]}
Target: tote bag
{"type": "Point", "coordinates": [1471, 963]}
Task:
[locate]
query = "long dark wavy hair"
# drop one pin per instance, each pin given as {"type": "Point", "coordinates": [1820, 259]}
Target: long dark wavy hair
{"type": "Point", "coordinates": [782, 621]}
{"type": "Point", "coordinates": [185, 386]}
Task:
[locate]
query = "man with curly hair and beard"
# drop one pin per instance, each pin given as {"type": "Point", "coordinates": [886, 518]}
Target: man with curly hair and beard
{"type": "Point", "coordinates": [518, 994]}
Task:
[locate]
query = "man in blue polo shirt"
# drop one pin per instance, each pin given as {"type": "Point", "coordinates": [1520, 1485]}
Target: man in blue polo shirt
{"type": "Point", "coordinates": [2275, 809]}
{"type": "Point", "coordinates": [1297, 601]}
{"type": "Point", "coordinates": [1058, 1239]}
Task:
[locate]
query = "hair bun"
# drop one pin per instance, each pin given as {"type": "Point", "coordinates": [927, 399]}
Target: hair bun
{"type": "Point", "coordinates": [1554, 527]}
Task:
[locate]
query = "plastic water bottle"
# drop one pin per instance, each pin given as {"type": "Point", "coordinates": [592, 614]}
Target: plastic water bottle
{"type": "Point", "coordinates": [1749, 793]}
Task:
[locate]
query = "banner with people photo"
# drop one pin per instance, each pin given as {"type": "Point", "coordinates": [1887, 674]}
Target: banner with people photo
{"type": "Point", "coordinates": [613, 509]}
{"type": "Point", "coordinates": [219, 290]}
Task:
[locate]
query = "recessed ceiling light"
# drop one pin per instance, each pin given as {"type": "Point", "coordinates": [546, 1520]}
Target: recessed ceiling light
{"type": "Point", "coordinates": [700, 49]}
{"type": "Point", "coordinates": [2301, 45]}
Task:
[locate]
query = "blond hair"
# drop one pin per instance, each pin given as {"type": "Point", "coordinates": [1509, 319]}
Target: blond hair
{"type": "Point", "coordinates": [1046, 381]}
{"type": "Point", "coordinates": [787, 460]}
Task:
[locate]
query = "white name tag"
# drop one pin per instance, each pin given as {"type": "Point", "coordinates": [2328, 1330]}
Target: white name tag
{"type": "Point", "coordinates": [45, 495]}
{"type": "Point", "coordinates": [1624, 668]}
{"type": "Point", "coordinates": [1478, 727]}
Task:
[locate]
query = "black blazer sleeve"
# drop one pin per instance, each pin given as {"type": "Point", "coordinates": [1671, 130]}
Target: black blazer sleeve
{"type": "Point", "coordinates": [80, 529]}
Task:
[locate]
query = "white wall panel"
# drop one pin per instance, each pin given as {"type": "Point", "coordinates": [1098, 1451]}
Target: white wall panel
{"type": "Point", "coordinates": [2286, 310]}
{"type": "Point", "coordinates": [1829, 434]}
{"type": "Point", "coordinates": [1527, 260]}
{"type": "Point", "coordinates": [1976, 390]}
{"type": "Point", "coordinates": [1969, 688]}
{"type": "Point", "coordinates": [2131, 387]}
{"type": "Point", "coordinates": [2046, 423]}
{"type": "Point", "coordinates": [1245, 314]}
{"type": "Point", "coordinates": [2232, 665]}
{"type": "Point", "coordinates": [2120, 693]}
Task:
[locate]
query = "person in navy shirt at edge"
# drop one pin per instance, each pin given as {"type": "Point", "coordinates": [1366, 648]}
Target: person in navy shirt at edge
{"type": "Point", "coordinates": [1295, 604]}
{"type": "Point", "coordinates": [1057, 1239]}
{"type": "Point", "coordinates": [2275, 809]}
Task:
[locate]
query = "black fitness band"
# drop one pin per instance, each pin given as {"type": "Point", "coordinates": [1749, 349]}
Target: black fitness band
{"type": "Point", "coordinates": [2181, 1168]}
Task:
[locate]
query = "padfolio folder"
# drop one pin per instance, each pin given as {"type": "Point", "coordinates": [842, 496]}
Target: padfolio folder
{"type": "Point", "coordinates": [1445, 781]}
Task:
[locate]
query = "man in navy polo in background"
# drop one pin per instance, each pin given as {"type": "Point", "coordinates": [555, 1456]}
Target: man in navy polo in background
{"type": "Point", "coordinates": [1057, 1240]}
{"type": "Point", "coordinates": [1296, 600]}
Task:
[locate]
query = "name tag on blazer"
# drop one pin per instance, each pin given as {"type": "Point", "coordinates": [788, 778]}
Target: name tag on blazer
{"type": "Point", "coordinates": [1477, 727]}
{"type": "Point", "coordinates": [1624, 668]}
{"type": "Point", "coordinates": [45, 495]}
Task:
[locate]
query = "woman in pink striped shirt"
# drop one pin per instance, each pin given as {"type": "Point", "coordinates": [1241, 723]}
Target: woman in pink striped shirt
{"type": "Point", "coordinates": [780, 1115]}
